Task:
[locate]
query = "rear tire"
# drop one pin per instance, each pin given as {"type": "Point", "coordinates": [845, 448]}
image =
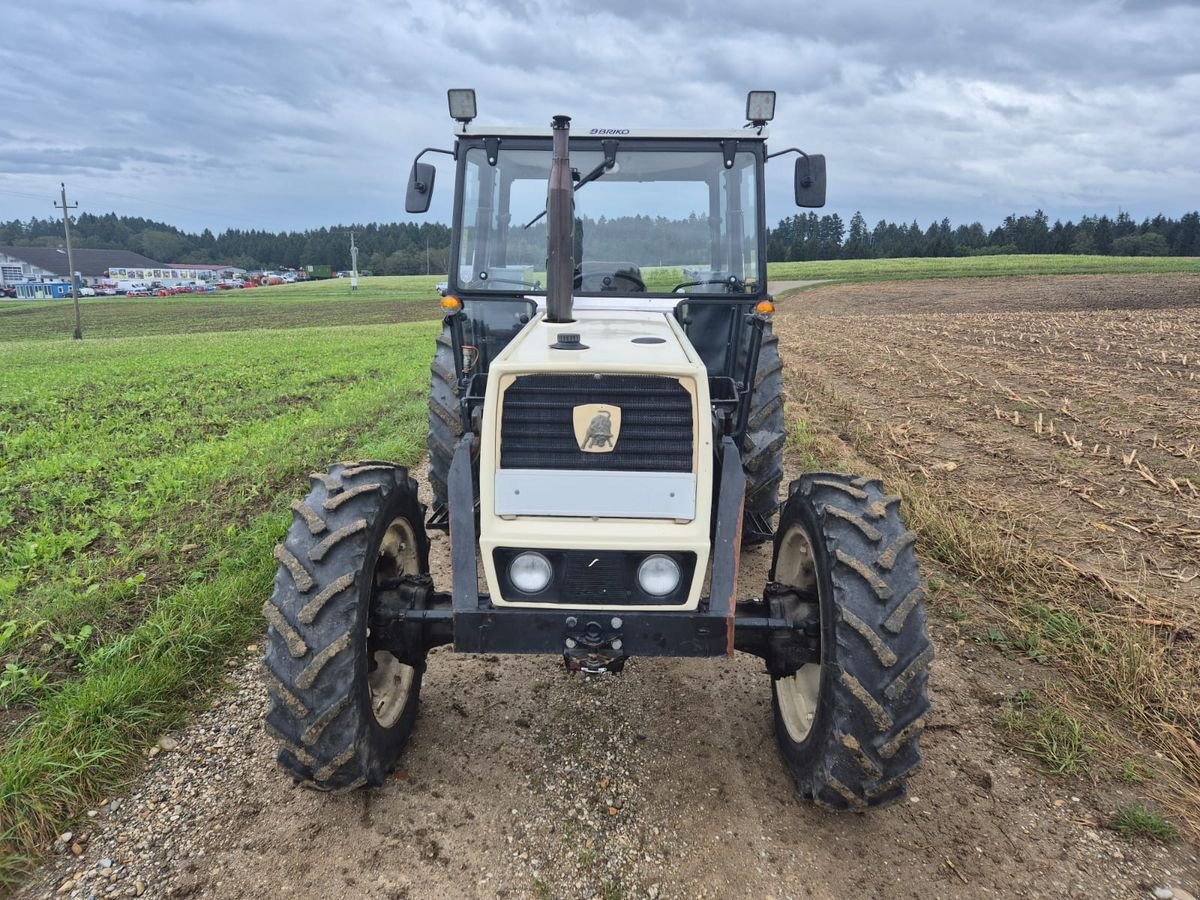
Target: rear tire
{"type": "Point", "coordinates": [445, 420]}
{"type": "Point", "coordinates": [341, 710]}
{"type": "Point", "coordinates": [762, 458]}
{"type": "Point", "coordinates": [848, 728]}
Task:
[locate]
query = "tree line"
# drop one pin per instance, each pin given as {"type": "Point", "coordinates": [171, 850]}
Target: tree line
{"type": "Point", "coordinates": [809, 236]}
{"type": "Point", "coordinates": [396, 248]}
{"type": "Point", "coordinates": [408, 248]}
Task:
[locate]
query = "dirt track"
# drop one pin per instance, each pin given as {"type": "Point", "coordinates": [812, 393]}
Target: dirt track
{"type": "Point", "coordinates": [523, 781]}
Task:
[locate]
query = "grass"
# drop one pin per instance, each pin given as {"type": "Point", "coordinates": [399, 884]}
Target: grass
{"type": "Point", "coordinates": [978, 267]}
{"type": "Point", "coordinates": [1139, 822]}
{"type": "Point", "coordinates": [143, 485]}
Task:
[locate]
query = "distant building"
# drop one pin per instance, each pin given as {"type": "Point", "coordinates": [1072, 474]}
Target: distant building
{"type": "Point", "coordinates": [24, 264]}
{"type": "Point", "coordinates": [43, 290]}
{"type": "Point", "coordinates": [21, 264]}
{"type": "Point", "coordinates": [195, 272]}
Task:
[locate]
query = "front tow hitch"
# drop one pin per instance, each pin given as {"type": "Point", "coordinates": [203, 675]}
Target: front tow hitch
{"type": "Point", "coordinates": [593, 647]}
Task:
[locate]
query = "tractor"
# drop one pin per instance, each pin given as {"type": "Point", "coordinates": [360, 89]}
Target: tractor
{"type": "Point", "coordinates": [606, 434]}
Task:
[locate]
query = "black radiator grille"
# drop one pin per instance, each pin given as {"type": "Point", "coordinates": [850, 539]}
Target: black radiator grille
{"type": "Point", "coordinates": [537, 429]}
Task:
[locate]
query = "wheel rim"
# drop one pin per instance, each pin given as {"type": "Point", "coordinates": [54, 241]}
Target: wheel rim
{"type": "Point", "coordinates": [389, 680]}
{"type": "Point", "coordinates": [797, 695]}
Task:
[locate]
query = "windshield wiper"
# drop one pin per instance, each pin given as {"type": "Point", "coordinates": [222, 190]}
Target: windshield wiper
{"type": "Point", "coordinates": [610, 160]}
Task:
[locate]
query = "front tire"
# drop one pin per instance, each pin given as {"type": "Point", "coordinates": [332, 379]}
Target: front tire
{"type": "Point", "coordinates": [341, 708]}
{"type": "Point", "coordinates": [848, 728]}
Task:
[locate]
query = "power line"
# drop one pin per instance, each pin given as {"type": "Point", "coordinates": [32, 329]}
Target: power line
{"type": "Point", "coordinates": [22, 194]}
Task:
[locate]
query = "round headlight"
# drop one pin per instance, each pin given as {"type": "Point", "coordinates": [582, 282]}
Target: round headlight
{"type": "Point", "coordinates": [658, 575]}
{"type": "Point", "coordinates": [530, 572]}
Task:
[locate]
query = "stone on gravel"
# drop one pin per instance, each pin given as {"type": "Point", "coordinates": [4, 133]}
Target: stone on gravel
{"type": "Point", "coordinates": [1163, 893]}
{"type": "Point", "coordinates": [168, 743]}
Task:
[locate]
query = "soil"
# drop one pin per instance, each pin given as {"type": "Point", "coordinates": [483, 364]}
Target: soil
{"type": "Point", "coordinates": [663, 782]}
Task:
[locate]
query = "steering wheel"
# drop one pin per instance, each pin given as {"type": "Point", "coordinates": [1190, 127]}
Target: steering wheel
{"type": "Point", "coordinates": [605, 280]}
{"type": "Point", "coordinates": [732, 284]}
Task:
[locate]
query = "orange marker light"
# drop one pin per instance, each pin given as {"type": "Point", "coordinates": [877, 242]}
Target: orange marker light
{"type": "Point", "coordinates": [765, 307]}
{"type": "Point", "coordinates": [451, 303]}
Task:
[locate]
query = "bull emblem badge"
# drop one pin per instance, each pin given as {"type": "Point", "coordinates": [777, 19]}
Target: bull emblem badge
{"type": "Point", "coordinates": [597, 426]}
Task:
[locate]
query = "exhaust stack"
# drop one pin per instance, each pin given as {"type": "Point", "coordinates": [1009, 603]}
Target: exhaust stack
{"type": "Point", "coordinates": [560, 227]}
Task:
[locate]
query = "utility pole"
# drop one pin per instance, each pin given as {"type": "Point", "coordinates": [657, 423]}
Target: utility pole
{"type": "Point", "coordinates": [427, 253]}
{"type": "Point", "coordinates": [71, 259]}
{"type": "Point", "coordinates": [353, 264]}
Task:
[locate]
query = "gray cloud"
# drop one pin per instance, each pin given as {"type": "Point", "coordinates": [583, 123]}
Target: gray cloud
{"type": "Point", "coordinates": [289, 115]}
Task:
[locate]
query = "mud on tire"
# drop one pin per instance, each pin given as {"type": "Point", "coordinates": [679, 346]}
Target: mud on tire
{"type": "Point", "coordinates": [342, 712]}
{"type": "Point", "coordinates": [864, 707]}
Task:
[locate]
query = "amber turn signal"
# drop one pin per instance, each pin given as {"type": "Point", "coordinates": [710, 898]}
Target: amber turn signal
{"type": "Point", "coordinates": [451, 303]}
{"type": "Point", "coordinates": [765, 307]}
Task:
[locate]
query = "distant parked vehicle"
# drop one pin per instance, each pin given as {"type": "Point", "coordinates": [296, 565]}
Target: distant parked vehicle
{"type": "Point", "coordinates": [87, 292]}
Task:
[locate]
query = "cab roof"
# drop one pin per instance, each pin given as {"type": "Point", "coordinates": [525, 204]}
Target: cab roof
{"type": "Point", "coordinates": [471, 130]}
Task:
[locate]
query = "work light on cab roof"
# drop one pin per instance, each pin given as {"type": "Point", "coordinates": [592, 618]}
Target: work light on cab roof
{"type": "Point", "coordinates": [606, 433]}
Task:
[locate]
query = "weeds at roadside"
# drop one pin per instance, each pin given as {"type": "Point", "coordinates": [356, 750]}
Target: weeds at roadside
{"type": "Point", "coordinates": [1022, 698]}
{"type": "Point", "coordinates": [1048, 734]}
{"type": "Point", "coordinates": [20, 684]}
{"type": "Point", "coordinates": [1139, 822]}
{"type": "Point", "coordinates": [73, 644]}
{"type": "Point", "coordinates": [1133, 772]}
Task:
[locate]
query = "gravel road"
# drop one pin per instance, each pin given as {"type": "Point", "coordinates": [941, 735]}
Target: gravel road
{"type": "Point", "coordinates": [524, 781]}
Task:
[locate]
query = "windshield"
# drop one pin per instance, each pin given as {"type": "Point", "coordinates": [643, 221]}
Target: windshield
{"type": "Point", "coordinates": [655, 222]}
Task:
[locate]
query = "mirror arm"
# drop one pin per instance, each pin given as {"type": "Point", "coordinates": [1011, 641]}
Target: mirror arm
{"type": "Point", "coordinates": [421, 186]}
{"type": "Point", "coordinates": [807, 181]}
{"type": "Point", "coordinates": [432, 150]}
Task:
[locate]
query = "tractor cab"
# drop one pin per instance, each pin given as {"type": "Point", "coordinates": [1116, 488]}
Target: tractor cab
{"type": "Point", "coordinates": [664, 221]}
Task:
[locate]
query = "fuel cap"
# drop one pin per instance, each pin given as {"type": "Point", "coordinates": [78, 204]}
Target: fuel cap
{"type": "Point", "coordinates": [568, 341]}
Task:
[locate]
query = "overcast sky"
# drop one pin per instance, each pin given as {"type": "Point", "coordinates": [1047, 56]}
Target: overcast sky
{"type": "Point", "coordinates": [255, 113]}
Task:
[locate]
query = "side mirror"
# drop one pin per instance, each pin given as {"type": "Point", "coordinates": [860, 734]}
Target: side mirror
{"type": "Point", "coordinates": [420, 188]}
{"type": "Point", "coordinates": [810, 181]}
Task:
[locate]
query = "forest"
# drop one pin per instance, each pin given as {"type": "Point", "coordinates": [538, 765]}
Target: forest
{"type": "Point", "coordinates": [409, 248]}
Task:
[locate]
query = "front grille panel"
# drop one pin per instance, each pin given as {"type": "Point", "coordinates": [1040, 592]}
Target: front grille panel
{"type": "Point", "coordinates": [595, 577]}
{"type": "Point", "coordinates": [537, 428]}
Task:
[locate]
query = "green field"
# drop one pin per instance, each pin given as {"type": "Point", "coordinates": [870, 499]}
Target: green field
{"type": "Point", "coordinates": [143, 485]}
{"type": "Point", "coordinates": [979, 267]}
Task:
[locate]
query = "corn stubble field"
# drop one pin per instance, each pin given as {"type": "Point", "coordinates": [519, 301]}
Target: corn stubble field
{"type": "Point", "coordinates": [1043, 430]}
{"type": "Point", "coordinates": [1046, 435]}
